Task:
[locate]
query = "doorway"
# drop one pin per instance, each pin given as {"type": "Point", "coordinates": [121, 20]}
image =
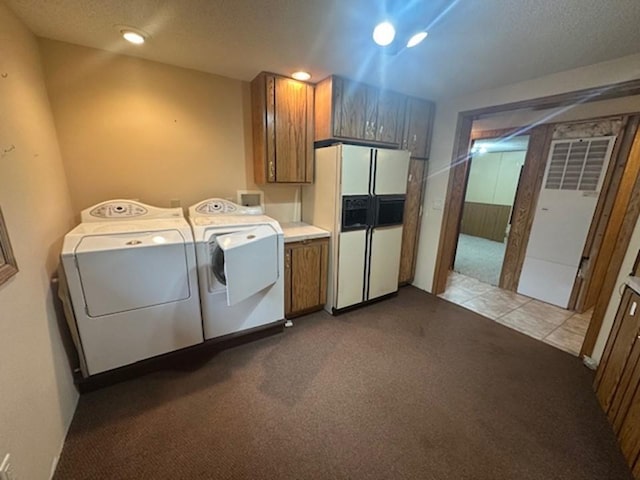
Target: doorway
{"type": "Point", "coordinates": [494, 170]}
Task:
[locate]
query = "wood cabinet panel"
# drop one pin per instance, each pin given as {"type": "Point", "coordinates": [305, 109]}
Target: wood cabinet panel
{"type": "Point", "coordinates": [418, 126]}
{"type": "Point", "coordinates": [618, 350]}
{"type": "Point", "coordinates": [282, 120]}
{"type": "Point", "coordinates": [485, 220]}
{"type": "Point", "coordinates": [388, 128]}
{"type": "Point", "coordinates": [629, 435]}
{"type": "Point", "coordinates": [306, 266]}
{"type": "Point", "coordinates": [411, 222]}
{"type": "Point", "coordinates": [349, 110]}
{"type": "Point", "coordinates": [618, 378]}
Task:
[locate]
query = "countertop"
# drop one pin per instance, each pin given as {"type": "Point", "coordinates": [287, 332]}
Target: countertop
{"type": "Point", "coordinates": [633, 283]}
{"type": "Point", "coordinates": [299, 231]}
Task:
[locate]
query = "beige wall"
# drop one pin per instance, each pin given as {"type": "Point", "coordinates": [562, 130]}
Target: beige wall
{"type": "Point", "coordinates": [133, 128]}
{"type": "Point", "coordinates": [493, 177]}
{"type": "Point", "coordinates": [37, 396]}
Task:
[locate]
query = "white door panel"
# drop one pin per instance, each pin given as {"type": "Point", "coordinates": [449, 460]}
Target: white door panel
{"type": "Point", "coordinates": [391, 167]}
{"type": "Point", "coordinates": [547, 281]}
{"type": "Point", "coordinates": [560, 227]}
{"type": "Point", "coordinates": [385, 261]}
{"type": "Point", "coordinates": [573, 177]}
{"type": "Point", "coordinates": [250, 261]}
{"type": "Point", "coordinates": [133, 276]}
{"type": "Point", "coordinates": [356, 163]}
{"type": "Point", "coordinates": [351, 265]}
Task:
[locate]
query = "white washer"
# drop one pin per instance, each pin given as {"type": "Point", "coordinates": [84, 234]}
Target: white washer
{"type": "Point", "coordinates": [131, 283]}
{"type": "Point", "coordinates": [240, 255]}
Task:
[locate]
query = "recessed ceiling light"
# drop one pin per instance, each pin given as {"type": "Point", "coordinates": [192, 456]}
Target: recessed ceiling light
{"type": "Point", "coordinates": [302, 76]}
{"type": "Point", "coordinates": [133, 37]}
{"type": "Point", "coordinates": [416, 39]}
{"type": "Point", "coordinates": [384, 33]}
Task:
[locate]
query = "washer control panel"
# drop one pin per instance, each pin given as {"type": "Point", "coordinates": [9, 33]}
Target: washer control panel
{"type": "Point", "coordinates": [118, 210]}
{"type": "Point", "coordinates": [220, 206]}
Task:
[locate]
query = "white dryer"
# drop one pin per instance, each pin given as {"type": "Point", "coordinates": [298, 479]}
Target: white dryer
{"type": "Point", "coordinates": [240, 254]}
{"type": "Point", "coordinates": [130, 272]}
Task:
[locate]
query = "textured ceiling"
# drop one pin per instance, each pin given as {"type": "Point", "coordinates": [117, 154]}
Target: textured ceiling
{"type": "Point", "coordinates": [475, 44]}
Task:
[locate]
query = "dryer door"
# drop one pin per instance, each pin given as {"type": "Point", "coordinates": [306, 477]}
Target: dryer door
{"type": "Point", "coordinates": [127, 271]}
{"type": "Point", "coordinates": [250, 261]}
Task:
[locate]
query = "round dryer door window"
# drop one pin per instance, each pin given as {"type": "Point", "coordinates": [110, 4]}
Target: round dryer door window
{"type": "Point", "coordinates": [217, 265]}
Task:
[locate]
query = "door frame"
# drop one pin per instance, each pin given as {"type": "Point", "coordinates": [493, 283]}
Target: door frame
{"type": "Point", "coordinates": [460, 157]}
{"type": "Point", "coordinates": [465, 168]}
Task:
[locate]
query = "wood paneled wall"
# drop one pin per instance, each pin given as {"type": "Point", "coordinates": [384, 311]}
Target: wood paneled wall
{"type": "Point", "coordinates": [485, 220]}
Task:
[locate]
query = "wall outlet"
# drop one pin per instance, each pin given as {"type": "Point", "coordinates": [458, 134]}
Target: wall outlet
{"type": "Point", "coordinates": [6, 470]}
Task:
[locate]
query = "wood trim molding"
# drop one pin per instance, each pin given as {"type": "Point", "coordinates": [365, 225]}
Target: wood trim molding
{"type": "Point", "coordinates": [599, 253]}
{"type": "Point", "coordinates": [618, 234]}
{"type": "Point", "coordinates": [524, 205]}
{"type": "Point", "coordinates": [8, 265]}
{"type": "Point", "coordinates": [453, 204]}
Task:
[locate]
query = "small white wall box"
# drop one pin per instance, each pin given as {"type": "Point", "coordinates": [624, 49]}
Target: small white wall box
{"type": "Point", "coordinates": [251, 198]}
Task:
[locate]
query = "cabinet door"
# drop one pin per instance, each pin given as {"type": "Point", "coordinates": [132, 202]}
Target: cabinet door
{"type": "Point", "coordinates": [389, 120]}
{"type": "Point", "coordinates": [308, 275]}
{"type": "Point", "coordinates": [629, 435]}
{"type": "Point", "coordinates": [411, 224]}
{"type": "Point", "coordinates": [618, 350]}
{"type": "Point", "coordinates": [350, 109]}
{"type": "Point", "coordinates": [293, 126]}
{"type": "Point", "coordinates": [418, 126]}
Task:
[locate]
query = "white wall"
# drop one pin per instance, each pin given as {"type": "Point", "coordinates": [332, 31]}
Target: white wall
{"type": "Point", "coordinates": [622, 69]}
{"type": "Point", "coordinates": [493, 177]}
{"type": "Point", "coordinates": [37, 396]}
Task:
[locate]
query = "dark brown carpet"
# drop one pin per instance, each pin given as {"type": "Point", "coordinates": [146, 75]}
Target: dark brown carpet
{"type": "Point", "coordinates": [410, 388]}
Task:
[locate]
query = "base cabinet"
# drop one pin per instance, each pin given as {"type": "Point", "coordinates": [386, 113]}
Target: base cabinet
{"type": "Point", "coordinates": [305, 268]}
{"type": "Point", "coordinates": [618, 379]}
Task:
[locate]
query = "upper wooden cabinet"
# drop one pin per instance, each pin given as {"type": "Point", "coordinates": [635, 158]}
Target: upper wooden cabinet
{"type": "Point", "coordinates": [349, 110]}
{"type": "Point", "coordinates": [355, 111]}
{"type": "Point", "coordinates": [282, 117]}
{"type": "Point", "coordinates": [418, 123]}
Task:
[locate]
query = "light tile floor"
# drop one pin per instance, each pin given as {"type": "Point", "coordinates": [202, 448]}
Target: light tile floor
{"type": "Point", "coordinates": [560, 328]}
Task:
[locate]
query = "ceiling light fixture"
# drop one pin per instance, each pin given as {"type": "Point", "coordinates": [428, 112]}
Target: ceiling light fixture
{"type": "Point", "coordinates": [416, 39]}
{"type": "Point", "coordinates": [133, 37]}
{"type": "Point", "coordinates": [384, 33]}
{"type": "Point", "coordinates": [301, 75]}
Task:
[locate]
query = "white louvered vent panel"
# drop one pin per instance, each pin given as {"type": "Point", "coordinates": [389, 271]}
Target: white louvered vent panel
{"type": "Point", "coordinates": [577, 164]}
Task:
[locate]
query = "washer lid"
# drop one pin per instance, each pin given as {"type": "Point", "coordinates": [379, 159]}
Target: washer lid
{"type": "Point", "coordinates": [116, 241]}
{"type": "Point", "coordinates": [250, 261]}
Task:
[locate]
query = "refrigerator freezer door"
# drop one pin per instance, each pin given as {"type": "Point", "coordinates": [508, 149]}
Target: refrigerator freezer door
{"type": "Point", "coordinates": [356, 164]}
{"type": "Point", "coordinates": [391, 170]}
{"type": "Point", "coordinates": [351, 268]}
{"type": "Point", "coordinates": [384, 264]}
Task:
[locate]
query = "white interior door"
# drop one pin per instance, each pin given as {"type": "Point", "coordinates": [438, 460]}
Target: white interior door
{"type": "Point", "coordinates": [351, 265]}
{"type": "Point", "coordinates": [384, 264]}
{"type": "Point", "coordinates": [128, 271]}
{"type": "Point", "coordinates": [573, 179]}
{"type": "Point", "coordinates": [250, 261]}
{"type": "Point", "coordinates": [391, 170]}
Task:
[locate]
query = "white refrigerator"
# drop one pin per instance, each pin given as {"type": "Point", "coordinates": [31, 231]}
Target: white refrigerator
{"type": "Point", "coordinates": [358, 195]}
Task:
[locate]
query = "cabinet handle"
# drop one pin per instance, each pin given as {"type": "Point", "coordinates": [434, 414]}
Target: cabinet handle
{"type": "Point", "coordinates": [380, 130]}
{"type": "Point", "coordinates": [272, 170]}
{"type": "Point", "coordinates": [632, 310]}
{"type": "Point", "coordinates": [287, 263]}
